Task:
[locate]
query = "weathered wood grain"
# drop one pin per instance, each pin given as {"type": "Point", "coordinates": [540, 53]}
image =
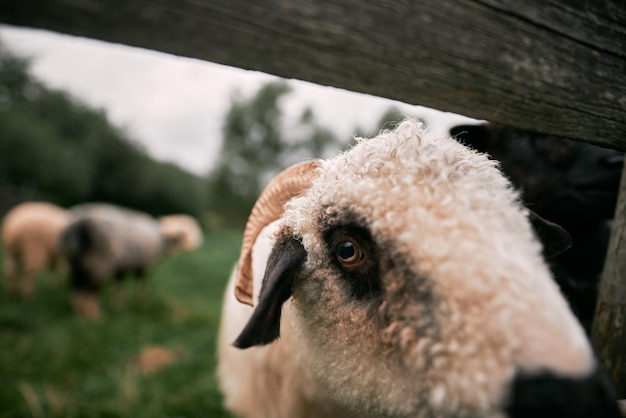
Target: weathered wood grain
{"type": "Point", "coordinates": [555, 66]}
{"type": "Point", "coordinates": [609, 328]}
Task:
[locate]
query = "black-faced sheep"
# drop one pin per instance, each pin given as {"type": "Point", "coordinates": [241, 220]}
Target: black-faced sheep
{"type": "Point", "coordinates": [30, 232]}
{"type": "Point", "coordinates": [183, 228]}
{"type": "Point", "coordinates": [404, 280]}
{"type": "Point", "coordinates": [571, 183]}
{"type": "Point", "coordinates": [105, 242]}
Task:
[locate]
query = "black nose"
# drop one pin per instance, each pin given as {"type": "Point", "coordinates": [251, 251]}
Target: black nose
{"type": "Point", "coordinates": [547, 395]}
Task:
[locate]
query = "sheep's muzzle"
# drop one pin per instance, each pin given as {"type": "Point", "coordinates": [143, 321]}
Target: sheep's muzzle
{"type": "Point", "coordinates": [549, 395]}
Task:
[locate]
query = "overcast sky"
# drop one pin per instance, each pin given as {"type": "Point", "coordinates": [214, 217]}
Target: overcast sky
{"type": "Point", "coordinates": [175, 106]}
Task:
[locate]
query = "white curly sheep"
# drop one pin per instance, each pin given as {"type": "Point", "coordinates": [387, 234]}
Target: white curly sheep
{"type": "Point", "coordinates": [30, 232]}
{"type": "Point", "coordinates": [404, 280]}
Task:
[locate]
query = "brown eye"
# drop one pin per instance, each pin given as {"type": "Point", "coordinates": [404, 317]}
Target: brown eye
{"type": "Point", "coordinates": [350, 255]}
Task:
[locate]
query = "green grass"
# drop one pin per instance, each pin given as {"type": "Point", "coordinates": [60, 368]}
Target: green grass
{"type": "Point", "coordinates": [53, 364]}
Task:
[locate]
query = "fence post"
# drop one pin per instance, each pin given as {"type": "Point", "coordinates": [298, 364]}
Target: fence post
{"type": "Point", "coordinates": [609, 327]}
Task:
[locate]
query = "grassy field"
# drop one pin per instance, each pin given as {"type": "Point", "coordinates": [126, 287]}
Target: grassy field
{"type": "Point", "coordinates": [55, 365]}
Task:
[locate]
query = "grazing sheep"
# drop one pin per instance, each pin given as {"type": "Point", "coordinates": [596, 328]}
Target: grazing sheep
{"type": "Point", "coordinates": [183, 227]}
{"type": "Point", "coordinates": [571, 183]}
{"type": "Point", "coordinates": [105, 242]}
{"type": "Point", "coordinates": [30, 232]}
{"type": "Point", "coordinates": [404, 280]}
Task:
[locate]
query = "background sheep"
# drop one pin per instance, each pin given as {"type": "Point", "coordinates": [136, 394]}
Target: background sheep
{"type": "Point", "coordinates": [105, 242]}
{"type": "Point", "coordinates": [30, 232]}
{"type": "Point", "coordinates": [184, 228]}
{"type": "Point", "coordinates": [572, 183]}
{"type": "Point", "coordinates": [404, 280]}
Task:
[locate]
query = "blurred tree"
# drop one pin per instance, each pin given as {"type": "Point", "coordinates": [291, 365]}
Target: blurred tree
{"type": "Point", "coordinates": [259, 143]}
{"type": "Point", "coordinates": [35, 158]}
{"type": "Point", "coordinates": [55, 148]}
{"type": "Point", "coordinates": [16, 82]}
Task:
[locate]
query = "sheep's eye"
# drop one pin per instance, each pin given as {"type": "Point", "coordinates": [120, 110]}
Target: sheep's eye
{"type": "Point", "coordinates": [346, 251]}
{"type": "Point", "coordinates": [350, 255]}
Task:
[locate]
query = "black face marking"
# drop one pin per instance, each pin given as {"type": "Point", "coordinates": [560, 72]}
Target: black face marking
{"type": "Point", "coordinates": [353, 252]}
{"type": "Point", "coordinates": [547, 395]}
{"type": "Point", "coordinates": [283, 264]}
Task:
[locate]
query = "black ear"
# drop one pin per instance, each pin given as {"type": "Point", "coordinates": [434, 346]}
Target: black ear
{"type": "Point", "coordinates": [554, 238]}
{"type": "Point", "coordinates": [474, 136]}
{"type": "Point", "coordinates": [284, 262]}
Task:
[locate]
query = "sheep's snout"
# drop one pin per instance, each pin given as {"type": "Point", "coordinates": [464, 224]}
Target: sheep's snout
{"type": "Point", "coordinates": [549, 395]}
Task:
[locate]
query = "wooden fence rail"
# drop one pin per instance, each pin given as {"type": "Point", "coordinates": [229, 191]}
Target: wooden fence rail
{"type": "Point", "coordinates": [555, 66]}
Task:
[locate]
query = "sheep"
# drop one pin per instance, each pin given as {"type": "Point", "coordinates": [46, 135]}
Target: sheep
{"type": "Point", "coordinates": [401, 278]}
{"type": "Point", "coordinates": [30, 232]}
{"type": "Point", "coordinates": [105, 242]}
{"type": "Point", "coordinates": [572, 183]}
{"type": "Point", "coordinates": [183, 227]}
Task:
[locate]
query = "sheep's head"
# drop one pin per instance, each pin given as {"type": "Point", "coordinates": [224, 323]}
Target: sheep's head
{"type": "Point", "coordinates": [418, 288]}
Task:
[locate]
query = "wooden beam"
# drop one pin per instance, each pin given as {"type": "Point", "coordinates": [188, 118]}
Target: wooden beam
{"type": "Point", "coordinates": [609, 327]}
{"type": "Point", "coordinates": [554, 66]}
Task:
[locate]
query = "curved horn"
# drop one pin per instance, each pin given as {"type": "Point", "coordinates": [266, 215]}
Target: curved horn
{"type": "Point", "coordinates": [269, 206]}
